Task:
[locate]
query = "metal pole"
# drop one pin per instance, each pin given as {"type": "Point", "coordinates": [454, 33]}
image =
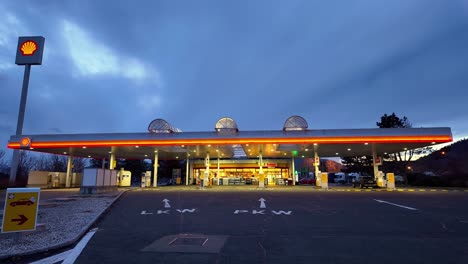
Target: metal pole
{"type": "Point", "coordinates": [19, 125]}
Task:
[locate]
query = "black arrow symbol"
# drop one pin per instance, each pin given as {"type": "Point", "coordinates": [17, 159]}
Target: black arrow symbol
{"type": "Point", "coordinates": [21, 220]}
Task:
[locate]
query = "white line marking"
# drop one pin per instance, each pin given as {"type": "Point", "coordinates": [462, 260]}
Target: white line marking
{"type": "Point", "coordinates": [186, 210]}
{"type": "Point", "coordinates": [281, 212]}
{"type": "Point", "coordinates": [166, 203]}
{"type": "Point", "coordinates": [262, 203]}
{"type": "Point", "coordinates": [53, 259]}
{"type": "Point", "coordinates": [443, 226]}
{"type": "Point", "coordinates": [399, 205]}
{"type": "Point", "coordinates": [240, 211]}
{"type": "Point", "coordinates": [81, 245]}
{"type": "Point", "coordinates": [145, 213]}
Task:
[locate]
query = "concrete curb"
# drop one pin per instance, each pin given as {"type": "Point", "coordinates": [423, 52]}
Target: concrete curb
{"type": "Point", "coordinates": [395, 190]}
{"type": "Point", "coordinates": [301, 189]}
{"type": "Point", "coordinates": [83, 231]}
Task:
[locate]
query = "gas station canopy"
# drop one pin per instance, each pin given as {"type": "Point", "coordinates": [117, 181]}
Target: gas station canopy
{"type": "Point", "coordinates": [228, 142]}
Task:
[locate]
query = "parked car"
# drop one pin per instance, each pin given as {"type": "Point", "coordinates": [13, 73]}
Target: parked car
{"type": "Point", "coordinates": [367, 181]}
{"type": "Point", "coordinates": [399, 179]}
{"type": "Point", "coordinates": [340, 177]}
{"type": "Point", "coordinates": [27, 202]}
{"type": "Point", "coordinates": [310, 181]}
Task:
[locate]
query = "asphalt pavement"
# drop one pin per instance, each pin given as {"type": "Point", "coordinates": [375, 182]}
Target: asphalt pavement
{"type": "Point", "coordinates": [287, 227]}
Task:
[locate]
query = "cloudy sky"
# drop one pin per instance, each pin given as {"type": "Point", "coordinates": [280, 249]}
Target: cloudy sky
{"type": "Point", "coordinates": [112, 66]}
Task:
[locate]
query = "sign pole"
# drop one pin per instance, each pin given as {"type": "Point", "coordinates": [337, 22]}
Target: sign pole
{"type": "Point", "coordinates": [19, 126]}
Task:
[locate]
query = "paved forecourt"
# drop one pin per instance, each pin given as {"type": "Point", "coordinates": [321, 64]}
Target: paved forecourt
{"type": "Point", "coordinates": [278, 227]}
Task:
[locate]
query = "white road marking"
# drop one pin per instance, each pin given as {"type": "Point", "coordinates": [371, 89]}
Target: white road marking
{"type": "Point", "coordinates": [443, 226]}
{"type": "Point", "coordinates": [240, 211]}
{"type": "Point", "coordinates": [399, 205]}
{"type": "Point", "coordinates": [262, 203]}
{"type": "Point", "coordinates": [185, 210]}
{"type": "Point", "coordinates": [163, 212]}
{"type": "Point", "coordinates": [258, 212]}
{"type": "Point", "coordinates": [281, 212]}
{"type": "Point", "coordinates": [54, 259]}
{"type": "Point", "coordinates": [166, 203]}
{"type": "Point", "coordinates": [76, 251]}
{"type": "Point", "coordinates": [145, 213]}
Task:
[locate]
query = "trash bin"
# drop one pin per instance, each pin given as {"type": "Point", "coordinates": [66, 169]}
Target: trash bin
{"type": "Point", "coordinates": [178, 180]}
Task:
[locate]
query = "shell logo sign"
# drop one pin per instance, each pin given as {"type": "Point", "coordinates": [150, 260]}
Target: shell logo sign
{"type": "Point", "coordinates": [28, 48]}
{"type": "Point", "coordinates": [25, 142]}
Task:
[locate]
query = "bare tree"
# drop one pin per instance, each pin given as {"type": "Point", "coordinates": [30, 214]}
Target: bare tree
{"type": "Point", "coordinates": [3, 163]}
{"type": "Point", "coordinates": [79, 164]}
{"type": "Point", "coordinates": [2, 160]}
{"type": "Point", "coordinates": [42, 163]}
{"type": "Point", "coordinates": [58, 163]}
{"type": "Point", "coordinates": [27, 162]}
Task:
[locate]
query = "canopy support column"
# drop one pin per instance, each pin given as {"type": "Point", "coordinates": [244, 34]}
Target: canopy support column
{"type": "Point", "coordinates": [112, 161]}
{"type": "Point", "coordinates": [187, 171]}
{"type": "Point", "coordinates": [316, 164]}
{"type": "Point", "coordinates": [293, 168]}
{"type": "Point", "coordinates": [69, 168]}
{"type": "Point", "coordinates": [374, 157]}
{"type": "Point", "coordinates": [217, 171]}
{"type": "Point", "coordinates": [207, 170]}
{"type": "Point", "coordinates": [261, 176]}
{"type": "Point", "coordinates": [155, 169]}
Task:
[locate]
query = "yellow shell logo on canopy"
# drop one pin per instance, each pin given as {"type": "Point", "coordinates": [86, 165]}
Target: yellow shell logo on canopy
{"type": "Point", "coordinates": [28, 48]}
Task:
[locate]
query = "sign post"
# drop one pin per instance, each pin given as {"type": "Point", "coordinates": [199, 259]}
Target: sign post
{"type": "Point", "coordinates": [29, 52]}
{"type": "Point", "coordinates": [20, 211]}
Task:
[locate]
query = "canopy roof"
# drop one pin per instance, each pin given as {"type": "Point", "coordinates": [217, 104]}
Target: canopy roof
{"type": "Point", "coordinates": [272, 144]}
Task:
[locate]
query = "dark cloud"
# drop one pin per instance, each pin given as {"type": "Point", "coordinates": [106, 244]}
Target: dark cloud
{"type": "Point", "coordinates": [115, 67]}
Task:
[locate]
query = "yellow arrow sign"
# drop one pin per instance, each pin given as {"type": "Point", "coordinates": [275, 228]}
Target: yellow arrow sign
{"type": "Point", "coordinates": [21, 206]}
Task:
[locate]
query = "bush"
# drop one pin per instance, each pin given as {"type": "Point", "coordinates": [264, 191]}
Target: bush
{"type": "Point", "coordinates": [456, 180]}
{"type": "Point", "coordinates": [448, 180]}
{"type": "Point", "coordinates": [4, 178]}
{"type": "Point", "coordinates": [419, 179]}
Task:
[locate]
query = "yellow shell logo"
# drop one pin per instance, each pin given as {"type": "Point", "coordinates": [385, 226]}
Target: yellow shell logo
{"type": "Point", "coordinates": [28, 48]}
{"type": "Point", "coordinates": [25, 142]}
